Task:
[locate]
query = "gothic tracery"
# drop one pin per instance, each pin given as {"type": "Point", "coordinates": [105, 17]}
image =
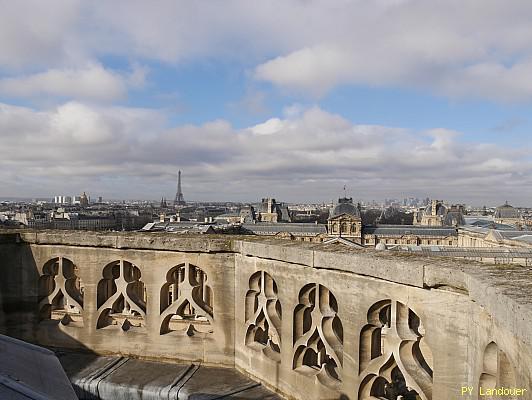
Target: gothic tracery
{"type": "Point", "coordinates": [263, 315]}
{"type": "Point", "coordinates": [318, 335]}
{"type": "Point", "coordinates": [186, 301]}
{"type": "Point", "coordinates": [394, 358]}
{"type": "Point", "coordinates": [121, 297]}
{"type": "Point", "coordinates": [61, 292]}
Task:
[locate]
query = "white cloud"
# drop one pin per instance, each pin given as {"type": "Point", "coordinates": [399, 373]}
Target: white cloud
{"type": "Point", "coordinates": [79, 124]}
{"type": "Point", "coordinates": [417, 44]}
{"type": "Point", "coordinates": [34, 33]}
{"type": "Point", "coordinates": [91, 82]}
{"type": "Point", "coordinates": [271, 126]}
{"type": "Point", "coordinates": [125, 152]}
{"type": "Point", "coordinates": [315, 69]}
{"type": "Point", "coordinates": [471, 48]}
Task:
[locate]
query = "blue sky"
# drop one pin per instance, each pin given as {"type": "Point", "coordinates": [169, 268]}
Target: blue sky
{"type": "Point", "coordinates": [292, 99]}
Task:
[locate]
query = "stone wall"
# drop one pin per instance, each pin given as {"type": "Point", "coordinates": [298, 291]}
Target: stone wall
{"type": "Point", "coordinates": [308, 320]}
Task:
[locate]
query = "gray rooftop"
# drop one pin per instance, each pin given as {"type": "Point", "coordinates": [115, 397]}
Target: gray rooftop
{"type": "Point", "coordinates": [487, 224]}
{"type": "Point", "coordinates": [401, 230]}
{"type": "Point", "coordinates": [274, 228]}
{"type": "Point", "coordinates": [344, 206]}
{"type": "Point", "coordinates": [513, 234]}
{"type": "Point", "coordinates": [180, 227]}
{"type": "Point", "coordinates": [524, 238]}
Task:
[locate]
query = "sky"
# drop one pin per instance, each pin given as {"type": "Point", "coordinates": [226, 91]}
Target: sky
{"type": "Point", "coordinates": [291, 99]}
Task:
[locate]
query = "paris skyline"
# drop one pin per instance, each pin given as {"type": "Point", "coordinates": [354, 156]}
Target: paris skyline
{"type": "Point", "coordinates": [392, 99]}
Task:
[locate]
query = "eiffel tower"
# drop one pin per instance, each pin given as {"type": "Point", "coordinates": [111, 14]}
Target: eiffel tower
{"type": "Point", "coordinates": [179, 199]}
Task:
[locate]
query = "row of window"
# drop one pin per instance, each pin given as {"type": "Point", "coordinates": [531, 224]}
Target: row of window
{"type": "Point", "coordinates": [440, 242]}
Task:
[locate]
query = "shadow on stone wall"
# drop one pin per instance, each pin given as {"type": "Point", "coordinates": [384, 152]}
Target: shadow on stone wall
{"type": "Point", "coordinates": [19, 302]}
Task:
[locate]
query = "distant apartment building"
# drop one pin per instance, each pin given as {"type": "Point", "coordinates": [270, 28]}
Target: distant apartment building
{"type": "Point", "coordinates": [87, 220]}
{"type": "Point", "coordinates": [62, 200]}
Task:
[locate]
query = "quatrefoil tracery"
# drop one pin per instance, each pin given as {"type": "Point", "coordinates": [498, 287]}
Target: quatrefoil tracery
{"type": "Point", "coordinates": [121, 296]}
{"type": "Point", "coordinates": [263, 315]}
{"type": "Point", "coordinates": [186, 302]}
{"type": "Point", "coordinates": [394, 358]}
{"type": "Point", "coordinates": [318, 335]}
{"type": "Point", "coordinates": [61, 289]}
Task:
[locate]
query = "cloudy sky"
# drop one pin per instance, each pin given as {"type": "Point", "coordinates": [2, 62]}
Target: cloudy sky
{"type": "Point", "coordinates": [288, 98]}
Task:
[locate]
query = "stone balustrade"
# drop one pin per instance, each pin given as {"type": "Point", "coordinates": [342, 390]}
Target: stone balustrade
{"type": "Point", "coordinates": [309, 321]}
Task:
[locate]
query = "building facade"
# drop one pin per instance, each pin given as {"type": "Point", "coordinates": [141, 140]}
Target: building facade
{"type": "Point", "coordinates": [345, 221]}
{"type": "Point", "coordinates": [506, 214]}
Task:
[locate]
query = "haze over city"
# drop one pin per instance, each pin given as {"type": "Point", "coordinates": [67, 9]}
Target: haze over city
{"type": "Point", "coordinates": [391, 98]}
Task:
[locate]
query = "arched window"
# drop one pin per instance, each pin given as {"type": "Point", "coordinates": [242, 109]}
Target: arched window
{"type": "Point", "coordinates": [343, 227]}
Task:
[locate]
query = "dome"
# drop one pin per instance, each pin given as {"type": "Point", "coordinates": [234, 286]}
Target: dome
{"type": "Point", "coordinates": [345, 206]}
{"type": "Point", "coordinates": [380, 246]}
{"type": "Point", "coordinates": [506, 211]}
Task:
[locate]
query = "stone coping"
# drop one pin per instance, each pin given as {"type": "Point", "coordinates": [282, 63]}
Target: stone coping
{"type": "Point", "coordinates": [504, 290]}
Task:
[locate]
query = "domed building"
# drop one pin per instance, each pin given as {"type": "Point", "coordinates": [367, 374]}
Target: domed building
{"type": "Point", "coordinates": [506, 214]}
{"type": "Point", "coordinates": [345, 221]}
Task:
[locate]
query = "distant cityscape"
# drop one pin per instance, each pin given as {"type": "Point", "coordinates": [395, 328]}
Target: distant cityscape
{"type": "Point", "coordinates": [412, 224]}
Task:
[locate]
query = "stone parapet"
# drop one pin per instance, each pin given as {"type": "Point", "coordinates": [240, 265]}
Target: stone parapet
{"type": "Point", "coordinates": [310, 321]}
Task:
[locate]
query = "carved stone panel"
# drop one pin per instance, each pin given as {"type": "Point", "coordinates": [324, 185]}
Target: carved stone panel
{"type": "Point", "coordinates": [121, 297]}
{"type": "Point", "coordinates": [318, 335]}
{"type": "Point", "coordinates": [186, 302]}
{"type": "Point", "coordinates": [61, 293]}
{"type": "Point", "coordinates": [263, 315]}
{"type": "Point", "coordinates": [394, 359]}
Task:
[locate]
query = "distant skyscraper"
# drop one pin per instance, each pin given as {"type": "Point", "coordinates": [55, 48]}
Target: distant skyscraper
{"type": "Point", "coordinates": [179, 199]}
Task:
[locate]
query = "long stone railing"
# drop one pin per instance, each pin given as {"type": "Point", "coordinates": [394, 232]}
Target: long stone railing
{"type": "Point", "coordinates": [309, 321]}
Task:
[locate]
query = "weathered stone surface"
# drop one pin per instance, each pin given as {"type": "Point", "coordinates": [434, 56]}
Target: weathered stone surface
{"type": "Point", "coordinates": [268, 308]}
{"type": "Point", "coordinates": [113, 378]}
{"type": "Point", "coordinates": [125, 240]}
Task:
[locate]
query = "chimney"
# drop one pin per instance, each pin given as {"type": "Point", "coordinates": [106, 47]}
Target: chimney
{"type": "Point", "coordinates": [162, 217]}
{"type": "Point", "coordinates": [434, 204]}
